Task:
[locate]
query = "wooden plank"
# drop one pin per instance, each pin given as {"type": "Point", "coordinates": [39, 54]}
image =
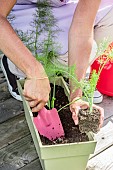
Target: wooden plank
{"type": "Point", "coordinates": [103, 161]}
{"type": "Point", "coordinates": [12, 130]}
{"type": "Point", "coordinates": [104, 138]}
{"type": "Point", "coordinates": [4, 96]}
{"type": "Point", "coordinates": [109, 119]}
{"type": "Point", "coordinates": [3, 87]}
{"type": "Point", "coordinates": [1, 74]}
{"type": "Point", "coordinates": [2, 77]}
{"type": "Point", "coordinates": [18, 154]}
{"type": "Point", "coordinates": [7, 167]}
{"type": "Point", "coordinates": [35, 165]}
{"type": "Point", "coordinates": [10, 108]}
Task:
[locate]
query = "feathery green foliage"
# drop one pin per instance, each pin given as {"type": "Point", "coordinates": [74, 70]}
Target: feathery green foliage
{"type": "Point", "coordinates": [41, 41]}
{"type": "Point", "coordinates": [45, 24]}
{"type": "Point", "coordinates": [103, 45]}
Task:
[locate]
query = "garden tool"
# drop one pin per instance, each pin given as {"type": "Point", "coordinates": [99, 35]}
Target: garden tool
{"type": "Point", "coordinates": [48, 124]}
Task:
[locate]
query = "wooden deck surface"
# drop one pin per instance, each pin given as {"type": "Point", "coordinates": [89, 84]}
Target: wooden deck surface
{"type": "Point", "coordinates": [17, 150]}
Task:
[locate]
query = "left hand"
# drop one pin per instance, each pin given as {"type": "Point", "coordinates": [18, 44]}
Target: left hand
{"type": "Point", "coordinates": [36, 92]}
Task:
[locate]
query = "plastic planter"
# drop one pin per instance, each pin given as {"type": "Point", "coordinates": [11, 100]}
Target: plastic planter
{"type": "Point", "coordinates": [72, 156]}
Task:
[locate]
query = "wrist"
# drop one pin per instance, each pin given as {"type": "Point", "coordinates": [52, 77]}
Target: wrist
{"type": "Point", "coordinates": [36, 71]}
{"type": "Point", "coordinates": [76, 94]}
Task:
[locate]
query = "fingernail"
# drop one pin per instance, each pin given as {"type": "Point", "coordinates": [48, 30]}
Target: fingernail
{"type": "Point", "coordinates": [76, 122]}
{"type": "Point", "coordinates": [84, 107]}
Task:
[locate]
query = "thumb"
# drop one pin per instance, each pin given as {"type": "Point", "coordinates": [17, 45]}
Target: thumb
{"type": "Point", "coordinates": [75, 118]}
{"type": "Point", "coordinates": [75, 111]}
{"type": "Point", "coordinates": [84, 106]}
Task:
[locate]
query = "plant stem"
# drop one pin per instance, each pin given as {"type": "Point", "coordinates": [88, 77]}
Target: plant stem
{"type": "Point", "coordinates": [90, 105]}
{"type": "Point", "coordinates": [68, 104]}
{"type": "Point", "coordinates": [53, 97]}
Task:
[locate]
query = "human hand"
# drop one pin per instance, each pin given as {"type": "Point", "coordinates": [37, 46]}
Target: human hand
{"type": "Point", "coordinates": [78, 104]}
{"type": "Point", "coordinates": [36, 92]}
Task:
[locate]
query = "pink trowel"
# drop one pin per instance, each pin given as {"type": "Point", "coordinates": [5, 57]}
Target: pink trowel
{"type": "Point", "coordinates": [48, 124]}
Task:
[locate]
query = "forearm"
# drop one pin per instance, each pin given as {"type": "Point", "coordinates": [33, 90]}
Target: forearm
{"type": "Point", "coordinates": [81, 38]}
{"type": "Point", "coordinates": [16, 51]}
{"type": "Point", "coordinates": [81, 53]}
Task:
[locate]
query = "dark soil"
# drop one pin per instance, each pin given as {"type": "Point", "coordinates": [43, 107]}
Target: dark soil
{"type": "Point", "coordinates": [89, 121]}
{"type": "Point", "coordinates": [72, 132]}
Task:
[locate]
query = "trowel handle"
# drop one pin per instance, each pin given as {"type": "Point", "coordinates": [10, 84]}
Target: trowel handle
{"type": "Point", "coordinates": [35, 114]}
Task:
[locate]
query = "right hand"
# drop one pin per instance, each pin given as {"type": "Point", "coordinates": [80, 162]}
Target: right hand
{"type": "Point", "coordinates": [80, 104]}
{"type": "Point", "coordinates": [76, 106]}
{"type": "Point", "coordinates": [36, 92]}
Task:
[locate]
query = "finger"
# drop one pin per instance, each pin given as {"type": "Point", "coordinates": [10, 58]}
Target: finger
{"type": "Point", "coordinates": [101, 110]}
{"type": "Point", "coordinates": [28, 99]}
{"type": "Point", "coordinates": [29, 96]}
{"type": "Point", "coordinates": [33, 103]}
{"type": "Point", "coordinates": [102, 118]}
{"type": "Point", "coordinates": [84, 106]}
{"type": "Point", "coordinates": [75, 118]}
{"type": "Point", "coordinates": [75, 109]}
{"type": "Point", "coordinates": [38, 107]}
{"type": "Point", "coordinates": [101, 122]}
